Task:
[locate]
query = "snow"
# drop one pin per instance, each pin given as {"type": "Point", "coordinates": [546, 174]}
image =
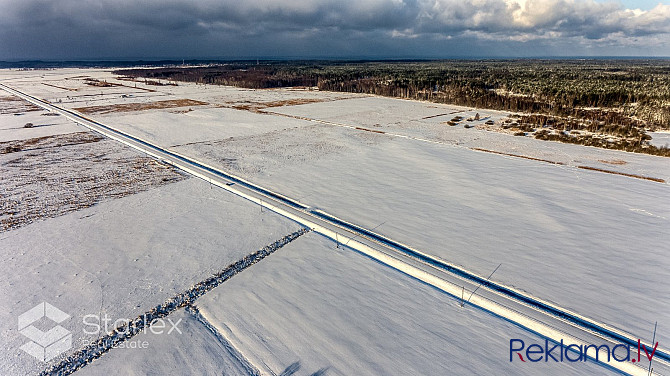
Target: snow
{"type": "Point", "coordinates": [587, 241]}
{"type": "Point", "coordinates": [13, 121]}
{"type": "Point", "coordinates": [193, 350]}
{"type": "Point", "coordinates": [332, 309]}
{"type": "Point", "coordinates": [51, 176]}
{"type": "Point", "coordinates": [408, 118]}
{"type": "Point", "coordinates": [199, 125]}
{"type": "Point", "coordinates": [125, 256]}
{"type": "Point", "coordinates": [562, 234]}
{"type": "Point", "coordinates": [660, 139]}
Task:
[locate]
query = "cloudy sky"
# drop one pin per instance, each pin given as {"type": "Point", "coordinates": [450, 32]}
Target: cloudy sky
{"type": "Point", "coordinates": [133, 29]}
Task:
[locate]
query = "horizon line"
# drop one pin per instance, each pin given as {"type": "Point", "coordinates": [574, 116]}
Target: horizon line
{"type": "Point", "coordinates": [331, 59]}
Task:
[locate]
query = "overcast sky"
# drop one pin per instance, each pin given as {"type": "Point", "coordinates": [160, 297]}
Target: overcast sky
{"type": "Point", "coordinates": [132, 29]}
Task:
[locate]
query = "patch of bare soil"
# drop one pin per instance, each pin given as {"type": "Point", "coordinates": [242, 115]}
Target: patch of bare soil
{"type": "Point", "coordinates": [617, 162]}
{"type": "Point", "coordinates": [518, 156]}
{"type": "Point", "coordinates": [52, 176]}
{"type": "Point", "coordinates": [139, 106]}
{"type": "Point", "coordinates": [658, 180]}
{"type": "Point", "coordinates": [15, 105]}
{"type": "Point", "coordinates": [181, 111]}
{"type": "Point", "coordinates": [48, 142]}
{"type": "Point", "coordinates": [98, 83]}
{"type": "Point", "coordinates": [256, 106]}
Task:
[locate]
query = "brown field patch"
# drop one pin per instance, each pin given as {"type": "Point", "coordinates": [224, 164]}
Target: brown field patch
{"type": "Point", "coordinates": [293, 102]}
{"type": "Point", "coordinates": [15, 105]}
{"type": "Point", "coordinates": [434, 116]}
{"type": "Point", "coordinates": [370, 130]}
{"type": "Point", "coordinates": [139, 106]}
{"type": "Point", "coordinates": [52, 176]}
{"type": "Point", "coordinates": [518, 156]}
{"type": "Point", "coordinates": [658, 180]}
{"type": "Point", "coordinates": [48, 142]}
{"type": "Point", "coordinates": [256, 106]}
{"type": "Point", "coordinates": [618, 162]}
{"type": "Point", "coordinates": [98, 83]}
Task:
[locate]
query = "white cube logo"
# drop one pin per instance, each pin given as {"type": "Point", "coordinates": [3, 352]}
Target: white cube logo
{"type": "Point", "coordinates": [44, 346]}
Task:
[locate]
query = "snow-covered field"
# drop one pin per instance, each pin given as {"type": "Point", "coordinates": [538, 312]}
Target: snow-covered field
{"type": "Point", "coordinates": [590, 241]}
{"type": "Point", "coordinates": [419, 120]}
{"type": "Point", "coordinates": [195, 350]}
{"type": "Point", "coordinates": [561, 234]}
{"type": "Point", "coordinates": [14, 117]}
{"type": "Point", "coordinates": [333, 310]}
{"type": "Point", "coordinates": [122, 257]}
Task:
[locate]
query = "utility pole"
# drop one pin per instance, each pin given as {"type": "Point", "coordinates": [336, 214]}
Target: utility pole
{"type": "Point", "coordinates": [652, 343]}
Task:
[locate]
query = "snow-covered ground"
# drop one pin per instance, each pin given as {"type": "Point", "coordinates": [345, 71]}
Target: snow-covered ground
{"type": "Point", "coordinates": [588, 241]}
{"type": "Point", "coordinates": [418, 119]}
{"type": "Point", "coordinates": [333, 310]}
{"type": "Point", "coordinates": [123, 257]}
{"type": "Point", "coordinates": [562, 234]}
{"type": "Point", "coordinates": [14, 117]}
{"type": "Point", "coordinates": [199, 125]}
{"type": "Point", "coordinates": [193, 350]}
{"type": "Point", "coordinates": [660, 139]}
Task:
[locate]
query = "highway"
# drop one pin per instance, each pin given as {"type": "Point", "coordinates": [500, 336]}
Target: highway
{"type": "Point", "coordinates": [531, 313]}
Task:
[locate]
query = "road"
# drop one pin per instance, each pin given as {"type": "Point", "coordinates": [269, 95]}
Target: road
{"type": "Point", "coordinates": [531, 313]}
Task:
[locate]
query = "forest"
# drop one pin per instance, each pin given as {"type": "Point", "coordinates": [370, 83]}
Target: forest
{"type": "Point", "coordinates": [624, 98]}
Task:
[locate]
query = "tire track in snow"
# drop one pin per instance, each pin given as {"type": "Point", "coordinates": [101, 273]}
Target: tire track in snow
{"type": "Point", "coordinates": [95, 350]}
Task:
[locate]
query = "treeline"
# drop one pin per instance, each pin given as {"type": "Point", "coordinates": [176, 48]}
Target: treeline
{"type": "Point", "coordinates": [610, 91]}
{"type": "Point", "coordinates": [252, 77]}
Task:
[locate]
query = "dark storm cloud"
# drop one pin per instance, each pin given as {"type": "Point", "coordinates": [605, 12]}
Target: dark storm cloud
{"type": "Point", "coordinates": [338, 28]}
